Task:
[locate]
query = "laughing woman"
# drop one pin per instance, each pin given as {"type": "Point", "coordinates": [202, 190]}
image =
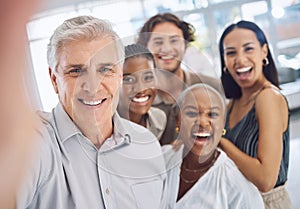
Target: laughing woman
{"type": "Point", "coordinates": [199, 174]}
{"type": "Point", "coordinates": [139, 90]}
{"type": "Point", "coordinates": [257, 124]}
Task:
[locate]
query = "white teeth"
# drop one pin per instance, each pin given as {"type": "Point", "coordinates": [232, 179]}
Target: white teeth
{"type": "Point", "coordinates": [92, 103]}
{"type": "Point", "coordinates": [167, 57]}
{"type": "Point", "coordinates": [201, 134]}
{"type": "Point", "coordinates": [140, 99]}
{"type": "Point", "coordinates": [244, 69]}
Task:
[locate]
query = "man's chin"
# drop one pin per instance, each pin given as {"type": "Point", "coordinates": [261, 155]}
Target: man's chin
{"type": "Point", "coordinates": [171, 69]}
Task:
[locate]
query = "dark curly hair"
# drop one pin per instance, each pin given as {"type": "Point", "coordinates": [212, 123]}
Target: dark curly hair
{"type": "Point", "coordinates": [187, 29]}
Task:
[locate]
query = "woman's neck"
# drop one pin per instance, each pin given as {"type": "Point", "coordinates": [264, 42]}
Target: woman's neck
{"type": "Point", "coordinates": [250, 93]}
{"type": "Point", "coordinates": [132, 116]}
{"type": "Point", "coordinates": [195, 162]}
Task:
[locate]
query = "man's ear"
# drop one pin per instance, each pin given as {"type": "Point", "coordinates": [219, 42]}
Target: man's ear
{"type": "Point", "coordinates": [53, 80]}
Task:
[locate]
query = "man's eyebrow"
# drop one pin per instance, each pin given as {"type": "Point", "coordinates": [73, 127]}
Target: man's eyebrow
{"type": "Point", "coordinates": [105, 64]}
{"type": "Point", "coordinates": [125, 74]}
{"type": "Point", "coordinates": [157, 38]}
{"type": "Point", "coordinates": [175, 36]}
{"type": "Point", "coordinates": [193, 107]}
{"type": "Point", "coordinates": [75, 66]}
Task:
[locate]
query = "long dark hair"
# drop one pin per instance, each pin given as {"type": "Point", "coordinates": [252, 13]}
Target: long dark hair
{"type": "Point", "coordinates": [231, 88]}
{"type": "Point", "coordinates": [187, 29]}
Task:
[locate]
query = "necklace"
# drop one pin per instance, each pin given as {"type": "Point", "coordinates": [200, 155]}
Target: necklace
{"type": "Point", "coordinates": [215, 156]}
{"type": "Point", "coordinates": [187, 181]}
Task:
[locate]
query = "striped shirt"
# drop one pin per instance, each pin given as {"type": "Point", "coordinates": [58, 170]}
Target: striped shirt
{"type": "Point", "coordinates": [245, 134]}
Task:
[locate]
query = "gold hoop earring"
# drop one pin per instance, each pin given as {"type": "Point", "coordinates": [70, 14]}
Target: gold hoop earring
{"type": "Point", "coordinates": [177, 129]}
{"type": "Point", "coordinates": [223, 132]}
{"type": "Point", "coordinates": [225, 70]}
{"type": "Point", "coordinates": [265, 62]}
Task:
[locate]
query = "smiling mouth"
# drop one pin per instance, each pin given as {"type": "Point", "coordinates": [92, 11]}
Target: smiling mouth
{"type": "Point", "coordinates": [92, 102]}
{"type": "Point", "coordinates": [140, 99]}
{"type": "Point", "coordinates": [244, 70]}
{"type": "Point", "coordinates": [202, 136]}
{"type": "Point", "coordinates": [166, 57]}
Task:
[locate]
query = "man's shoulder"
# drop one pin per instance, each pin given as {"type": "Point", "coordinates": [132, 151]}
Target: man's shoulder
{"type": "Point", "coordinates": [194, 78]}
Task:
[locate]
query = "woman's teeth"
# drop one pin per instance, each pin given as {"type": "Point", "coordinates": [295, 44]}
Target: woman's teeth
{"type": "Point", "coordinates": [243, 70]}
{"type": "Point", "coordinates": [140, 99]}
{"type": "Point", "coordinates": [201, 135]}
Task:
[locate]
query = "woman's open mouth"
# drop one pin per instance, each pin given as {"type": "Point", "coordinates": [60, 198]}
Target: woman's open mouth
{"type": "Point", "coordinates": [244, 73]}
{"type": "Point", "coordinates": [202, 137]}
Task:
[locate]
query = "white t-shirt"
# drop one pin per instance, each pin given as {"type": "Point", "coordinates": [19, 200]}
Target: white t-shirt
{"type": "Point", "coordinates": [223, 186]}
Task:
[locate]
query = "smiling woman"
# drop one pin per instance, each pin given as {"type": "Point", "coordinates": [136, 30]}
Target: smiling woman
{"type": "Point", "coordinates": [200, 174]}
{"type": "Point", "coordinates": [139, 90]}
{"type": "Point", "coordinates": [257, 123]}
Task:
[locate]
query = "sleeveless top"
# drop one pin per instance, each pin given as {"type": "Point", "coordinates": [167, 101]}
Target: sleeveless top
{"type": "Point", "coordinates": [245, 134]}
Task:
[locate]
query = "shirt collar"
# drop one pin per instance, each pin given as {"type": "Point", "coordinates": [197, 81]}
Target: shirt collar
{"type": "Point", "coordinates": [120, 136]}
{"type": "Point", "coordinates": [66, 129]}
{"type": "Point", "coordinates": [65, 126]}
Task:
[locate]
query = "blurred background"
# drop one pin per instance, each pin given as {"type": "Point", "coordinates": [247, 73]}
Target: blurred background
{"type": "Point", "coordinates": [279, 19]}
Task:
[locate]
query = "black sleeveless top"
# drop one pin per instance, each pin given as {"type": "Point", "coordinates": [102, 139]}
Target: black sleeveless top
{"type": "Point", "coordinates": [245, 136]}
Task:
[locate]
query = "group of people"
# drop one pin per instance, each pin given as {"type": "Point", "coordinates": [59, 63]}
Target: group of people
{"type": "Point", "coordinates": [132, 129]}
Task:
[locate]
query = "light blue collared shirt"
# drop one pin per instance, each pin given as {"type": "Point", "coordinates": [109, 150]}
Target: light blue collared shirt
{"type": "Point", "coordinates": [68, 171]}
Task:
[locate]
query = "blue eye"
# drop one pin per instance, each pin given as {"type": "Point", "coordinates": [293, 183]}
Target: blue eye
{"type": "Point", "coordinates": [75, 72]}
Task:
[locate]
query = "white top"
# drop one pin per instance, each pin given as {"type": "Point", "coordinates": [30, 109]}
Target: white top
{"type": "Point", "coordinates": [69, 172]}
{"type": "Point", "coordinates": [222, 187]}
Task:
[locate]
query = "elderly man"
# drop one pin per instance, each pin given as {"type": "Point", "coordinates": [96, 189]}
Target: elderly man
{"type": "Point", "coordinates": [89, 157]}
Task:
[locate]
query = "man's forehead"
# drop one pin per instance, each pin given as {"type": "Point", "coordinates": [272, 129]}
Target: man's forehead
{"type": "Point", "coordinates": [108, 52]}
{"type": "Point", "coordinates": [91, 52]}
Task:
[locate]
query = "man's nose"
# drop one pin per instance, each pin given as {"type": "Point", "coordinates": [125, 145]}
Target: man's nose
{"type": "Point", "coordinates": [91, 83]}
{"type": "Point", "coordinates": [166, 46]}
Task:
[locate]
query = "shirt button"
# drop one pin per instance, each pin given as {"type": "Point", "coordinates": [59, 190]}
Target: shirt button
{"type": "Point", "coordinates": [107, 191]}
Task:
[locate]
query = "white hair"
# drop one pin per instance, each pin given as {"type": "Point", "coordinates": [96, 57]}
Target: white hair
{"type": "Point", "coordinates": [78, 28]}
